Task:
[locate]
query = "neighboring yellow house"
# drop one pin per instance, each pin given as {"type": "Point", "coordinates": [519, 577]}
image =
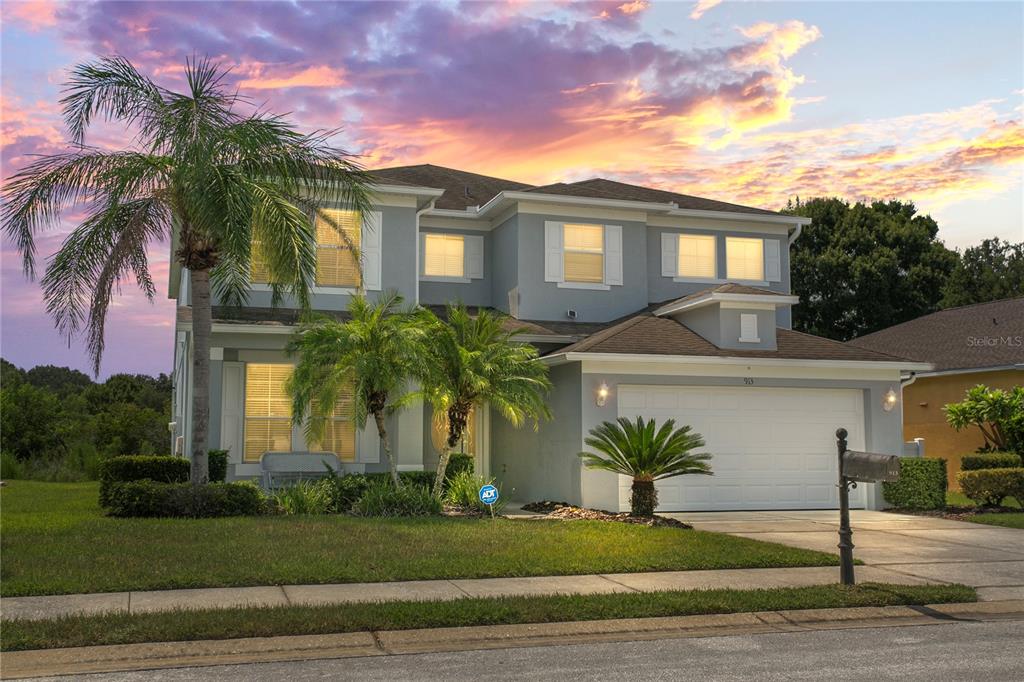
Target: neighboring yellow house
{"type": "Point", "coordinates": [969, 345]}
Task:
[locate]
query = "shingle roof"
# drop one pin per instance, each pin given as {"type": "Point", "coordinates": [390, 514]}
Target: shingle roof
{"type": "Point", "coordinates": [969, 337]}
{"type": "Point", "coordinates": [464, 189]}
{"type": "Point", "coordinates": [645, 334]}
{"type": "Point", "coordinates": [461, 189]}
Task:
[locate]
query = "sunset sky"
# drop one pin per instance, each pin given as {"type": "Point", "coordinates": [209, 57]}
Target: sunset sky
{"type": "Point", "coordinates": [747, 102]}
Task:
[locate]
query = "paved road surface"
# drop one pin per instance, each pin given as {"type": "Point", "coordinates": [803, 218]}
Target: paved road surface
{"type": "Point", "coordinates": [957, 651]}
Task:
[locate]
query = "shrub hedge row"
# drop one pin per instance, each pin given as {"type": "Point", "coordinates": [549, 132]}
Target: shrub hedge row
{"type": "Point", "coordinates": [922, 484]}
{"type": "Point", "coordinates": [989, 487]}
{"type": "Point", "coordinates": [161, 469]}
{"type": "Point", "coordinates": [990, 460]}
{"type": "Point", "coordinates": [147, 498]}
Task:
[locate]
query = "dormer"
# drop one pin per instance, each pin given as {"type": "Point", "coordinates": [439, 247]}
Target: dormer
{"type": "Point", "coordinates": [731, 316]}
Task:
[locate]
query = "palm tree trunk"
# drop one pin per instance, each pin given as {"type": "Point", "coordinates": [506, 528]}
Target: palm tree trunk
{"type": "Point", "coordinates": [644, 499]}
{"type": "Point", "coordinates": [383, 433]}
{"type": "Point", "coordinates": [202, 325]}
{"type": "Point", "coordinates": [442, 465]}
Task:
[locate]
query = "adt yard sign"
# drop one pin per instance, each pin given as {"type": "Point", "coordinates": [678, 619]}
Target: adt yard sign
{"type": "Point", "coordinates": [488, 494]}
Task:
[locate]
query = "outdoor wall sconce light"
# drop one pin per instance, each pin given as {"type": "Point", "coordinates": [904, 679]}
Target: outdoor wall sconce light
{"type": "Point", "coordinates": [602, 394]}
{"type": "Point", "coordinates": [889, 400]}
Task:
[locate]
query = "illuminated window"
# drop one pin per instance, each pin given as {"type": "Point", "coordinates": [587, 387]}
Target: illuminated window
{"type": "Point", "coordinates": [443, 255]}
{"type": "Point", "coordinates": [339, 431]}
{"type": "Point", "coordinates": [584, 253]}
{"type": "Point", "coordinates": [697, 256]}
{"type": "Point", "coordinates": [744, 258]}
{"type": "Point", "coordinates": [336, 262]}
{"type": "Point", "coordinates": [268, 410]}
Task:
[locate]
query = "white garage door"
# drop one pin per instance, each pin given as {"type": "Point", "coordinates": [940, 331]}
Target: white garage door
{"type": "Point", "coordinates": [773, 448]}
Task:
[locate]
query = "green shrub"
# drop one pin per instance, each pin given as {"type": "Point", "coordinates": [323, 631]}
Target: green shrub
{"type": "Point", "coordinates": [217, 461]}
{"type": "Point", "coordinates": [989, 487]}
{"type": "Point", "coordinates": [463, 491]}
{"type": "Point", "coordinates": [456, 465]}
{"type": "Point", "coordinates": [990, 460]}
{"type": "Point", "coordinates": [343, 491]}
{"type": "Point", "coordinates": [383, 499]}
{"type": "Point", "coordinates": [305, 497]}
{"type": "Point", "coordinates": [10, 467]}
{"type": "Point", "coordinates": [147, 498]}
{"type": "Point", "coordinates": [161, 469]}
{"type": "Point", "coordinates": [922, 484]}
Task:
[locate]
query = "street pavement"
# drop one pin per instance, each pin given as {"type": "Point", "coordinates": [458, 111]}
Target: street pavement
{"type": "Point", "coordinates": [987, 651]}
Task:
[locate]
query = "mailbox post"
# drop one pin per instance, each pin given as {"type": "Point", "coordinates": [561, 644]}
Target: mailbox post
{"type": "Point", "coordinates": [845, 533]}
{"type": "Point", "coordinates": [857, 466]}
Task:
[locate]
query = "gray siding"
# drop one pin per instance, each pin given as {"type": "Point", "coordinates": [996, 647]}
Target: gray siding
{"type": "Point", "coordinates": [540, 300]}
{"type": "Point", "coordinates": [474, 292]}
{"type": "Point", "coordinates": [504, 244]}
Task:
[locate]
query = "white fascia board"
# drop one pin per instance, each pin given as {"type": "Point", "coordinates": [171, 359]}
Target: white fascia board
{"type": "Point", "coordinates": [708, 299]}
{"type": "Point", "coordinates": [432, 192]}
{"type": "Point", "coordinates": [640, 360]}
{"type": "Point", "coordinates": [231, 328]}
{"type": "Point", "coordinates": [732, 215]}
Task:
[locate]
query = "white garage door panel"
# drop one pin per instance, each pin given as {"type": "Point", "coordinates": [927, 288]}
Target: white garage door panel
{"type": "Point", "coordinates": [772, 448]}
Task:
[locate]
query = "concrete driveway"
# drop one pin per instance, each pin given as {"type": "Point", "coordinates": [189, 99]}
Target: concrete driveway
{"type": "Point", "coordinates": [936, 550]}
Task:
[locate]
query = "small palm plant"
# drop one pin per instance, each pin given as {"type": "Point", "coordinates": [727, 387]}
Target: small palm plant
{"type": "Point", "coordinates": [371, 354]}
{"type": "Point", "coordinates": [471, 360]}
{"type": "Point", "coordinates": [647, 454]}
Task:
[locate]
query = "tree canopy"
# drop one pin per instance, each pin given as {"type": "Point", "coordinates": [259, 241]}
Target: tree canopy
{"type": "Point", "coordinates": [863, 267]}
{"type": "Point", "coordinates": [991, 271]}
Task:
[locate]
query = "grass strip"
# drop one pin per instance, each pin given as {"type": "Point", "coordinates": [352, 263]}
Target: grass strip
{"type": "Point", "coordinates": [1006, 519]}
{"type": "Point", "coordinates": [187, 625]}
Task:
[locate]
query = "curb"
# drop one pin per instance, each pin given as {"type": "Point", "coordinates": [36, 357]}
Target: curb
{"type": "Point", "coordinates": [163, 655]}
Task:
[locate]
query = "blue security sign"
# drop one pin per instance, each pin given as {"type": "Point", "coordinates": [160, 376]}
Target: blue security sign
{"type": "Point", "coordinates": [488, 494]}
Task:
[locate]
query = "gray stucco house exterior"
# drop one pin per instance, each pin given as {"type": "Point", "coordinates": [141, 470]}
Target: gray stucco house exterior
{"type": "Point", "coordinates": [643, 303]}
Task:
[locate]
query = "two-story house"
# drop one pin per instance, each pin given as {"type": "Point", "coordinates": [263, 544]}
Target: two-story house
{"type": "Point", "coordinates": [643, 303]}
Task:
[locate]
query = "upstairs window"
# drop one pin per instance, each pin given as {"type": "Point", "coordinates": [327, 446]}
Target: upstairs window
{"type": "Point", "coordinates": [697, 256]}
{"type": "Point", "coordinates": [744, 258]}
{"type": "Point", "coordinates": [337, 264]}
{"type": "Point", "coordinates": [584, 253]}
{"type": "Point", "coordinates": [444, 255]}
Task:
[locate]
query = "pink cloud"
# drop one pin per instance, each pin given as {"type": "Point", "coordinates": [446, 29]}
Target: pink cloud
{"type": "Point", "coordinates": [34, 14]}
{"type": "Point", "coordinates": [702, 7]}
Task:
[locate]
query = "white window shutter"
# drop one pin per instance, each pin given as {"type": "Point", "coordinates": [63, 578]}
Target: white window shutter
{"type": "Point", "coordinates": [373, 226]}
{"type": "Point", "coordinates": [232, 403]}
{"type": "Point", "coordinates": [554, 263]}
{"type": "Point", "coordinates": [613, 254]}
{"type": "Point", "coordinates": [669, 254]}
{"type": "Point", "coordinates": [474, 256]}
{"type": "Point", "coordinates": [772, 260]}
{"type": "Point", "coordinates": [748, 328]}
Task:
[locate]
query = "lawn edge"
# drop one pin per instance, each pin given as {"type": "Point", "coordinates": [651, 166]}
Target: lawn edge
{"type": "Point", "coordinates": [164, 655]}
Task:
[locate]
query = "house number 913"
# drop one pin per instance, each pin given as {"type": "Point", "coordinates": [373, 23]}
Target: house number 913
{"type": "Point", "coordinates": [748, 381]}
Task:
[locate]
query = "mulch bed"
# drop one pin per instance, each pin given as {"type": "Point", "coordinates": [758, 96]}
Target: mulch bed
{"type": "Point", "coordinates": [955, 513]}
{"type": "Point", "coordinates": [562, 510]}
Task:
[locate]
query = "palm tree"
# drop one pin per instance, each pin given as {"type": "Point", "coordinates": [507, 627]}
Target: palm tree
{"type": "Point", "coordinates": [471, 360]}
{"type": "Point", "coordinates": [372, 354]}
{"type": "Point", "coordinates": [645, 454]}
{"type": "Point", "coordinates": [211, 180]}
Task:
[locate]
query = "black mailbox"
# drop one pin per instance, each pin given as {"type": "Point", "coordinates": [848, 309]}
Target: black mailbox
{"type": "Point", "coordinates": [870, 467]}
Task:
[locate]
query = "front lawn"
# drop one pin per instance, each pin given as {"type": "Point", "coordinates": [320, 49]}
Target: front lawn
{"type": "Point", "coordinates": [55, 540]}
{"type": "Point", "coordinates": [1004, 519]}
{"type": "Point", "coordinates": [74, 631]}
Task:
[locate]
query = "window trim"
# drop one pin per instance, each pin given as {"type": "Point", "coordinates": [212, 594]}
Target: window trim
{"type": "Point", "coordinates": [576, 284]}
{"type": "Point", "coordinates": [760, 281]}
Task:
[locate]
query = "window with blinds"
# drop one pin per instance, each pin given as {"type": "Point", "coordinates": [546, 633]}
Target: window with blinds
{"type": "Point", "coordinates": [439, 433]}
{"type": "Point", "coordinates": [583, 253]}
{"type": "Point", "coordinates": [268, 410]}
{"type": "Point", "coordinates": [744, 258]}
{"type": "Point", "coordinates": [337, 264]}
{"type": "Point", "coordinates": [697, 256]}
{"type": "Point", "coordinates": [339, 431]}
{"type": "Point", "coordinates": [444, 255]}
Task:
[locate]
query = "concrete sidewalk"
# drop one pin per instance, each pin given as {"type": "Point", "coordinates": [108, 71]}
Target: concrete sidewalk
{"type": "Point", "coordinates": [423, 590]}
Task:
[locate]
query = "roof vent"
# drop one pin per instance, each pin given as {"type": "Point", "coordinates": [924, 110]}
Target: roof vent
{"type": "Point", "coordinates": [465, 191]}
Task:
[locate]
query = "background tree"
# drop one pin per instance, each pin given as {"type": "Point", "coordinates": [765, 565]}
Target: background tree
{"type": "Point", "coordinates": [646, 454]}
{"type": "Point", "coordinates": [998, 415]}
{"type": "Point", "coordinates": [201, 174]}
{"type": "Point", "coordinates": [991, 271]}
{"type": "Point", "coordinates": [372, 354]}
{"type": "Point", "coordinates": [864, 267]}
{"type": "Point", "coordinates": [472, 360]}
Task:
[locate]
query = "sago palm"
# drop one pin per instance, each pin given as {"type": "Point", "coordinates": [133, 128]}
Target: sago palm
{"type": "Point", "coordinates": [647, 454]}
{"type": "Point", "coordinates": [211, 180]}
{"type": "Point", "coordinates": [474, 360]}
{"type": "Point", "coordinates": [372, 354]}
